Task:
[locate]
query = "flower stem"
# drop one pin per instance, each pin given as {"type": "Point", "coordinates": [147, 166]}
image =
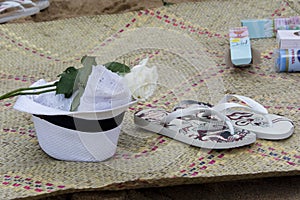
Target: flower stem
{"type": "Point", "coordinates": [20, 91]}
{"type": "Point", "coordinates": [32, 93]}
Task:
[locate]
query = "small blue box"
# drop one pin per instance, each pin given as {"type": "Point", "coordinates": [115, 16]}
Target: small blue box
{"type": "Point", "coordinates": [240, 48]}
{"type": "Point", "coordinates": [259, 28]}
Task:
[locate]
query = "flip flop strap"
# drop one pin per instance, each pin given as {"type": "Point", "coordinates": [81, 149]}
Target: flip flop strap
{"type": "Point", "coordinates": [282, 119]}
{"type": "Point", "coordinates": [255, 106]}
{"type": "Point", "coordinates": [195, 110]}
{"type": "Point", "coordinates": [24, 2]}
{"type": "Point", "coordinates": [224, 106]}
{"type": "Point", "coordinates": [10, 4]}
{"type": "Point", "coordinates": [188, 103]}
{"type": "Point", "coordinates": [251, 105]}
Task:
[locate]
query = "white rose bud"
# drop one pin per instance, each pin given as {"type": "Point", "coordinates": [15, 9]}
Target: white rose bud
{"type": "Point", "coordinates": [142, 80]}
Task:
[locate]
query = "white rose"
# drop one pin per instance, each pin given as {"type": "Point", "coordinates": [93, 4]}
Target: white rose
{"type": "Point", "coordinates": [142, 80]}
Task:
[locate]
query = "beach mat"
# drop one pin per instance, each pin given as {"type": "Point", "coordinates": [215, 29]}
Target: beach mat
{"type": "Point", "coordinates": [188, 43]}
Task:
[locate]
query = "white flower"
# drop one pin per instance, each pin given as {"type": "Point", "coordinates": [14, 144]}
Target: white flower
{"type": "Point", "coordinates": [142, 80]}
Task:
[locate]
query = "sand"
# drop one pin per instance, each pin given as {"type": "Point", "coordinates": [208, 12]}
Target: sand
{"type": "Point", "coordinates": [61, 9]}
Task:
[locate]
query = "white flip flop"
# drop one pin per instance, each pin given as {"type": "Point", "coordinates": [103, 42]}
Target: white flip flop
{"type": "Point", "coordinates": [41, 4]}
{"type": "Point", "coordinates": [249, 115]}
{"type": "Point", "coordinates": [184, 125]}
{"type": "Point", "coordinates": [10, 10]}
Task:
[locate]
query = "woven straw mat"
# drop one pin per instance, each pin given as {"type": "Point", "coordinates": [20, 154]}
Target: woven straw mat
{"type": "Point", "coordinates": [187, 43]}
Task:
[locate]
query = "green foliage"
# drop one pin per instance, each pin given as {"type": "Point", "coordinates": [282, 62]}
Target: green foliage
{"type": "Point", "coordinates": [117, 67]}
{"type": "Point", "coordinates": [66, 84]}
{"type": "Point", "coordinates": [82, 78]}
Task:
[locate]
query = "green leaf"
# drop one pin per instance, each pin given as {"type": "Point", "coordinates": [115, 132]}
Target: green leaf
{"type": "Point", "coordinates": [88, 61]}
{"type": "Point", "coordinates": [76, 100]}
{"type": "Point", "coordinates": [167, 3]}
{"type": "Point", "coordinates": [117, 67]}
{"type": "Point", "coordinates": [66, 84]}
{"type": "Point", "coordinates": [83, 74]}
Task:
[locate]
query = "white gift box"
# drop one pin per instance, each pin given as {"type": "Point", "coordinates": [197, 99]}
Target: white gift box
{"type": "Point", "coordinates": [288, 39]}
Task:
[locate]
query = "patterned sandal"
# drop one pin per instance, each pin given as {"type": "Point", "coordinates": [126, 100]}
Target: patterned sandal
{"type": "Point", "coordinates": [41, 4]}
{"type": "Point", "coordinates": [188, 126]}
{"type": "Point", "coordinates": [10, 10]}
{"type": "Point", "coordinates": [252, 116]}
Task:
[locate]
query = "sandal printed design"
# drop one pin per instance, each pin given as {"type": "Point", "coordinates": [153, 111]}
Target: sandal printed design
{"type": "Point", "coordinates": [199, 133]}
{"type": "Point", "coordinates": [244, 119]}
